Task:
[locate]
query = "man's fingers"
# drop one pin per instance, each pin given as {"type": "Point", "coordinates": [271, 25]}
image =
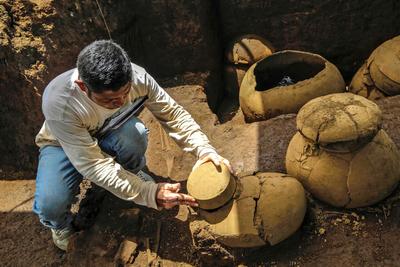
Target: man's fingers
{"type": "Point", "coordinates": [170, 205]}
{"type": "Point", "coordinates": [186, 198]}
{"type": "Point", "coordinates": [172, 187]}
{"type": "Point", "coordinates": [228, 164]}
{"type": "Point", "coordinates": [178, 197]}
{"type": "Point", "coordinates": [216, 160]}
{"type": "Point", "coordinates": [192, 204]}
{"type": "Point", "coordinates": [212, 157]}
{"type": "Point", "coordinates": [174, 199]}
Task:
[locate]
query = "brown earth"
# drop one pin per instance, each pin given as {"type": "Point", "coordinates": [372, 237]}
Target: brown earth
{"type": "Point", "coordinates": [183, 42]}
{"type": "Point", "coordinates": [332, 237]}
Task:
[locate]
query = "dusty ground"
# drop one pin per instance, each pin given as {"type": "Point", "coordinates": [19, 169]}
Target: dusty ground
{"type": "Point", "coordinates": [330, 237]}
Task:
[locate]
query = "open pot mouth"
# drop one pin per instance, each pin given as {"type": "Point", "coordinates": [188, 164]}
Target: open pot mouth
{"type": "Point", "coordinates": [286, 68]}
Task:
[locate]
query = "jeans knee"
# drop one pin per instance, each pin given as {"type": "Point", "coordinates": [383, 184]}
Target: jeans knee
{"type": "Point", "coordinates": [52, 207]}
{"type": "Point", "coordinates": [127, 143]}
{"type": "Point", "coordinates": [135, 134]}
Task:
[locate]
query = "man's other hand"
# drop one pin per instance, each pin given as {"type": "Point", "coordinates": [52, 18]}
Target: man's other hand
{"type": "Point", "coordinates": [216, 159]}
{"type": "Point", "coordinates": [168, 196]}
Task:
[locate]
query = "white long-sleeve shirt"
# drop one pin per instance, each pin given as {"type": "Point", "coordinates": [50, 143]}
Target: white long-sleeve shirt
{"type": "Point", "coordinates": [71, 120]}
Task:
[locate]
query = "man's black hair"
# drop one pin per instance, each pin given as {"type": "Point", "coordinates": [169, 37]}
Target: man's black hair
{"type": "Point", "coordinates": [104, 65]}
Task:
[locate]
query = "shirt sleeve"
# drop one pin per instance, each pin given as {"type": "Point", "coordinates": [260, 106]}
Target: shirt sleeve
{"type": "Point", "coordinates": [176, 121]}
{"type": "Point", "coordinates": [86, 156]}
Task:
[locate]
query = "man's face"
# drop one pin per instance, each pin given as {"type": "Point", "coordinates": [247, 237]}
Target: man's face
{"type": "Point", "coordinates": [108, 98]}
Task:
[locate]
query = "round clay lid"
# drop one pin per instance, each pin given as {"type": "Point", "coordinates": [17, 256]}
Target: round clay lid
{"type": "Point", "coordinates": [211, 186]}
{"type": "Point", "coordinates": [338, 118]}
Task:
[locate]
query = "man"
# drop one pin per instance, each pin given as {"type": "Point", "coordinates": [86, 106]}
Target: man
{"type": "Point", "coordinates": [76, 104]}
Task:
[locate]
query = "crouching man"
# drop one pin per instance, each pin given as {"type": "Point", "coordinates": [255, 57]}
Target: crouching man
{"type": "Point", "coordinates": [81, 102]}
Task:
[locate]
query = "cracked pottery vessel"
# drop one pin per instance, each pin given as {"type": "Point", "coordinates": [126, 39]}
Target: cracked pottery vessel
{"type": "Point", "coordinates": [380, 75]}
{"type": "Point", "coordinates": [340, 154]}
{"type": "Point", "coordinates": [266, 209]}
{"type": "Point", "coordinates": [241, 53]}
{"type": "Point", "coordinates": [248, 49]}
{"type": "Point", "coordinates": [263, 95]}
{"type": "Point", "coordinates": [363, 85]}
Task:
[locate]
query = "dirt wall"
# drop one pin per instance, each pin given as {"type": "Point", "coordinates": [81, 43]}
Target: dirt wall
{"type": "Point", "coordinates": [345, 32]}
{"type": "Point", "coordinates": [39, 39]}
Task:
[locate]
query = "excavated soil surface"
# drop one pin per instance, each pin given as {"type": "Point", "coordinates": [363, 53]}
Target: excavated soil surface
{"type": "Point", "coordinates": [328, 236]}
{"type": "Point", "coordinates": [38, 40]}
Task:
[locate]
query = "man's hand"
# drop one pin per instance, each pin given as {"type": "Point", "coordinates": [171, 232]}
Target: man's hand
{"type": "Point", "coordinates": [168, 196]}
{"type": "Point", "coordinates": [216, 159]}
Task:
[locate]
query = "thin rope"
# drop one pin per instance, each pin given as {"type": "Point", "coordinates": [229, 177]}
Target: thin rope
{"type": "Point", "coordinates": [104, 19]}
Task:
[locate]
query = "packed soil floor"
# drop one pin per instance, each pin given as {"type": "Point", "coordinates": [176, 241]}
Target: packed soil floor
{"type": "Point", "coordinates": [328, 236]}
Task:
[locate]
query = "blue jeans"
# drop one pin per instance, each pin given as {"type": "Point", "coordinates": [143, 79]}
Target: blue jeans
{"type": "Point", "coordinates": [57, 181]}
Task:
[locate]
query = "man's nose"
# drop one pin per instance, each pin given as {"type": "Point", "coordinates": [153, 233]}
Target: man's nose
{"type": "Point", "coordinates": [118, 102]}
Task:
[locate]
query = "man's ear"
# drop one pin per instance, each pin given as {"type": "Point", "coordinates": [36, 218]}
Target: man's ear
{"type": "Point", "coordinates": [81, 85]}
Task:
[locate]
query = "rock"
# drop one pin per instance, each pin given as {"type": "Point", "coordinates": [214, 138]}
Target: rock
{"type": "Point", "coordinates": [126, 252]}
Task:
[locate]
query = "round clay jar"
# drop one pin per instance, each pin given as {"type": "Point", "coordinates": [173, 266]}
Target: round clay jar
{"type": "Point", "coordinates": [283, 82]}
{"type": "Point", "coordinates": [248, 49]}
{"type": "Point", "coordinates": [281, 207]}
{"type": "Point", "coordinates": [269, 208]}
{"type": "Point", "coordinates": [384, 66]}
{"type": "Point", "coordinates": [362, 85]}
{"type": "Point", "coordinates": [212, 186]}
{"type": "Point", "coordinates": [339, 120]}
{"type": "Point", "coordinates": [354, 179]}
